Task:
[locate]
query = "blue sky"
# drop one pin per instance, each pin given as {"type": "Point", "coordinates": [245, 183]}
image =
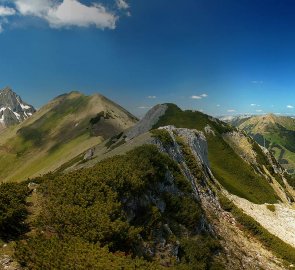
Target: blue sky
{"type": "Point", "coordinates": [219, 56]}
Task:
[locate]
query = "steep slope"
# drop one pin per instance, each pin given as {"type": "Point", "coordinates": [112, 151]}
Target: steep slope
{"type": "Point", "coordinates": [59, 131]}
{"type": "Point", "coordinates": [180, 189]}
{"type": "Point", "coordinates": [12, 109]}
{"type": "Point", "coordinates": [277, 133]}
{"type": "Point", "coordinates": [226, 161]}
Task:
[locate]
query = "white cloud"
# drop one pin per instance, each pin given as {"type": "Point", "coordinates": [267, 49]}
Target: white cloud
{"type": "Point", "coordinates": [199, 96]}
{"type": "Point", "coordinates": [122, 4]}
{"type": "Point", "coordinates": [66, 13]}
{"type": "Point", "coordinates": [218, 105]}
{"type": "Point", "coordinates": [258, 110]}
{"type": "Point", "coordinates": [6, 11]}
{"type": "Point", "coordinates": [231, 110]}
{"type": "Point", "coordinates": [290, 106]}
{"type": "Point", "coordinates": [144, 107]}
{"type": "Point", "coordinates": [254, 105]}
{"type": "Point", "coordinates": [37, 8]}
{"type": "Point", "coordinates": [152, 97]}
{"type": "Point", "coordinates": [73, 13]}
{"type": "Point", "coordinates": [196, 97]}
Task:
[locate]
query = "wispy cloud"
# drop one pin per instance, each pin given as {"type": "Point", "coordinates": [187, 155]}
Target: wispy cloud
{"type": "Point", "coordinates": [231, 110]}
{"type": "Point", "coordinates": [144, 107]}
{"type": "Point", "coordinates": [64, 13]}
{"type": "Point", "coordinates": [259, 111]}
{"type": "Point", "coordinates": [199, 96]}
{"type": "Point", "coordinates": [254, 105]}
{"type": "Point", "coordinates": [122, 4]}
{"type": "Point", "coordinates": [196, 97]}
{"type": "Point", "coordinates": [152, 97]}
{"type": "Point", "coordinates": [290, 106]}
{"type": "Point", "coordinates": [6, 11]}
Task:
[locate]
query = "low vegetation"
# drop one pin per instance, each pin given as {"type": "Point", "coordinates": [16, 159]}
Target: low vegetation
{"type": "Point", "coordinates": [290, 179]}
{"type": "Point", "coordinates": [163, 135]}
{"type": "Point", "coordinates": [13, 210]}
{"type": "Point", "coordinates": [111, 215]}
{"type": "Point", "coordinates": [271, 207]}
{"type": "Point", "coordinates": [73, 253]}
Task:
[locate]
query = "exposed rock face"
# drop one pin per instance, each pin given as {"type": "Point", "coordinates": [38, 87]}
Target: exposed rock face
{"type": "Point", "coordinates": [146, 124]}
{"type": "Point", "coordinates": [12, 109]}
{"type": "Point", "coordinates": [241, 145]}
{"type": "Point", "coordinates": [241, 251]}
{"type": "Point", "coordinates": [274, 163]}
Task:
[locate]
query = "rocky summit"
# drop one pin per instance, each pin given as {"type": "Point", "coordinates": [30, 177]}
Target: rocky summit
{"type": "Point", "coordinates": [13, 109]}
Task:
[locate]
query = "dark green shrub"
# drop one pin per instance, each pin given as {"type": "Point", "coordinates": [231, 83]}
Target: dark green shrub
{"type": "Point", "coordinates": [198, 253]}
{"type": "Point", "coordinates": [53, 253]}
{"type": "Point", "coordinates": [12, 209]}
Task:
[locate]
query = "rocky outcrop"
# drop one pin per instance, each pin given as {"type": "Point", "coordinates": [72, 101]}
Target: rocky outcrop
{"type": "Point", "coordinates": [7, 263]}
{"type": "Point", "coordinates": [13, 109]}
{"type": "Point", "coordinates": [196, 141]}
{"type": "Point", "coordinates": [272, 161]}
{"type": "Point", "coordinates": [147, 123]}
{"type": "Point", "coordinates": [241, 251]}
{"type": "Point", "coordinates": [241, 145]}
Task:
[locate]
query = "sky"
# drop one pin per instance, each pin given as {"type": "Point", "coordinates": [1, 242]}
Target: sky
{"type": "Point", "coordinates": [221, 57]}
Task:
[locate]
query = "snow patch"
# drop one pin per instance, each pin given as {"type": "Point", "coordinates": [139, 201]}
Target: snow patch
{"type": "Point", "coordinates": [24, 107]}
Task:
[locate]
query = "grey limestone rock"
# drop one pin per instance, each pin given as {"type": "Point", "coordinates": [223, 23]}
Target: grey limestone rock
{"type": "Point", "coordinates": [147, 123]}
{"type": "Point", "coordinates": [13, 109]}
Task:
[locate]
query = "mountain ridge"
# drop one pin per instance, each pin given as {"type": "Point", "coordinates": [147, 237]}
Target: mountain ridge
{"type": "Point", "coordinates": [274, 132]}
{"type": "Point", "coordinates": [179, 189]}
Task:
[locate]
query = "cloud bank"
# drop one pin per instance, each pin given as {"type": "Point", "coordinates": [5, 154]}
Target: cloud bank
{"type": "Point", "coordinates": [64, 13]}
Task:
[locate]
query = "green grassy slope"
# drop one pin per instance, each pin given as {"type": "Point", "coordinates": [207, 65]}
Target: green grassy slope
{"type": "Point", "coordinates": [233, 172]}
{"type": "Point", "coordinates": [66, 127]}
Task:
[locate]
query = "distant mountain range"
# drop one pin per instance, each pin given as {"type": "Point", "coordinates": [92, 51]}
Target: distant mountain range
{"type": "Point", "coordinates": [276, 133]}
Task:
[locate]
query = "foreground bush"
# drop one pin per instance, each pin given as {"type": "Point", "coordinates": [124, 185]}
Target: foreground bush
{"type": "Point", "coordinates": [40, 253]}
{"type": "Point", "coordinates": [12, 209]}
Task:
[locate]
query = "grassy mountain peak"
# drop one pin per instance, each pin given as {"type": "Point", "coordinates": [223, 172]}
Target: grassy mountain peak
{"type": "Point", "coordinates": [62, 129]}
